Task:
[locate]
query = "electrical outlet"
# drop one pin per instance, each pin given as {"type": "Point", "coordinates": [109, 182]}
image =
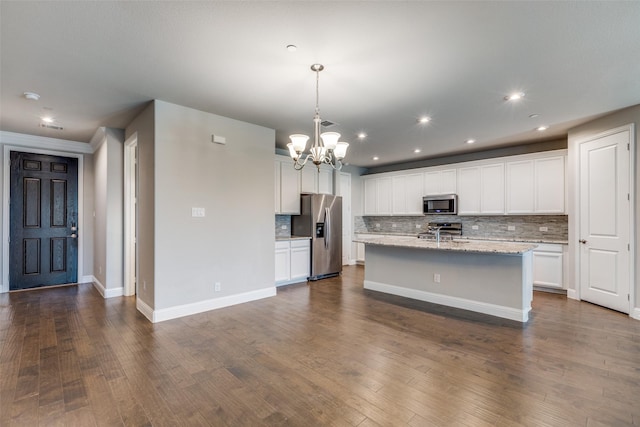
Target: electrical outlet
{"type": "Point", "coordinates": [377, 225]}
{"type": "Point", "coordinates": [417, 225]}
{"type": "Point", "coordinates": [474, 227]}
{"type": "Point", "coordinates": [436, 278]}
{"type": "Point", "coordinates": [393, 226]}
{"type": "Point", "coordinates": [544, 228]}
{"type": "Point", "coordinates": [100, 270]}
{"type": "Point", "coordinates": [511, 227]}
{"type": "Point", "coordinates": [217, 287]}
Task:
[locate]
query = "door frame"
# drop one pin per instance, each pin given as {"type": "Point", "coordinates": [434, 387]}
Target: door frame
{"type": "Point", "coordinates": [6, 227]}
{"type": "Point", "coordinates": [130, 216]}
{"type": "Point", "coordinates": [575, 234]}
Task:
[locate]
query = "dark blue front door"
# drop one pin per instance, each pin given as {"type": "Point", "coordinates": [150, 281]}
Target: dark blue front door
{"type": "Point", "coordinates": [43, 247]}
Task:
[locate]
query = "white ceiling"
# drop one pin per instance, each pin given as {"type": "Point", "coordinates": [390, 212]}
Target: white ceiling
{"type": "Point", "coordinates": [387, 63]}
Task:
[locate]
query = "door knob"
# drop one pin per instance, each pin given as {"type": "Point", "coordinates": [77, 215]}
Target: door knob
{"type": "Point", "coordinates": [582, 241]}
{"type": "Point", "coordinates": [73, 236]}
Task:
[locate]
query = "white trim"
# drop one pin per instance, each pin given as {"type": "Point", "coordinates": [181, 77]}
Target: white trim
{"type": "Point", "coordinates": [291, 282]}
{"type": "Point", "coordinates": [24, 140]}
{"type": "Point", "coordinates": [451, 301]}
{"type": "Point", "coordinates": [144, 309]}
{"type": "Point", "coordinates": [130, 215]}
{"type": "Point", "coordinates": [5, 202]}
{"type": "Point", "coordinates": [86, 279]}
{"type": "Point", "coordinates": [573, 294]}
{"type": "Point", "coordinates": [635, 313]}
{"type": "Point", "coordinates": [107, 292]}
{"type": "Point", "coordinates": [207, 305]}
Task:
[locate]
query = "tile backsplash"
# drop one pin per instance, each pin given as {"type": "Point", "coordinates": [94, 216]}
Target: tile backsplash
{"type": "Point", "coordinates": [506, 227]}
{"type": "Point", "coordinates": [283, 225]}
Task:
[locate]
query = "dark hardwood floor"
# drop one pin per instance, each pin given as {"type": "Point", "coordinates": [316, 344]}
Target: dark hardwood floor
{"type": "Point", "coordinates": [328, 353]}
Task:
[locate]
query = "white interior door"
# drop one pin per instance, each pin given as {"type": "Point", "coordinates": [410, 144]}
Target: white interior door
{"type": "Point", "coordinates": [344, 190]}
{"type": "Point", "coordinates": [605, 214]}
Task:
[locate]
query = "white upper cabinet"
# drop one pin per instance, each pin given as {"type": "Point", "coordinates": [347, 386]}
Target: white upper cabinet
{"type": "Point", "coordinates": [378, 196]}
{"type": "Point", "coordinates": [370, 189]}
{"type": "Point", "coordinates": [314, 181]}
{"type": "Point", "coordinates": [520, 187]}
{"type": "Point", "coordinates": [492, 189]}
{"type": "Point", "coordinates": [481, 190]}
{"type": "Point", "coordinates": [406, 194]}
{"type": "Point", "coordinates": [550, 185]}
{"type": "Point", "coordinates": [469, 190]}
{"type": "Point", "coordinates": [287, 187]}
{"type": "Point", "coordinates": [325, 180]}
{"type": "Point", "coordinates": [383, 196]}
{"type": "Point", "coordinates": [440, 182]}
{"type": "Point", "coordinates": [536, 186]}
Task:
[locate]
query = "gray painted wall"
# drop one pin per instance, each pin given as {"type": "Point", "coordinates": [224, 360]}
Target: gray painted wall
{"type": "Point", "coordinates": [234, 243]}
{"type": "Point", "coordinates": [108, 219]}
{"type": "Point", "coordinates": [617, 119]}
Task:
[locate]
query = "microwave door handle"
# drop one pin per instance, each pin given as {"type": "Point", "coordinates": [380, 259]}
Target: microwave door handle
{"type": "Point", "coordinates": [327, 227]}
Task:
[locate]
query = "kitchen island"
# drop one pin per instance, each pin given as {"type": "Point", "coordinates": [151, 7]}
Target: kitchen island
{"type": "Point", "coordinates": [493, 278]}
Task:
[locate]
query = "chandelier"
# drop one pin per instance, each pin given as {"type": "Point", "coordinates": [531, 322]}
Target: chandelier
{"type": "Point", "coordinates": [326, 147]}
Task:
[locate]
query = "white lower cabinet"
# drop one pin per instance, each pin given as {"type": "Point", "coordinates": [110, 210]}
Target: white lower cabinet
{"type": "Point", "coordinates": [292, 261]}
{"type": "Point", "coordinates": [548, 266]}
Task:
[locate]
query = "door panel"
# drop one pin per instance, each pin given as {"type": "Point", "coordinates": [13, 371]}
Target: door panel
{"type": "Point", "coordinates": [43, 220]}
{"type": "Point", "coordinates": [605, 221]}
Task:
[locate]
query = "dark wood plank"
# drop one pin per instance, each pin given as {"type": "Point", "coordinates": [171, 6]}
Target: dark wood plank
{"type": "Point", "coordinates": [324, 353]}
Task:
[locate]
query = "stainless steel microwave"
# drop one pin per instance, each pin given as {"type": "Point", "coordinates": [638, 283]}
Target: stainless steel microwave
{"type": "Point", "coordinates": [440, 204]}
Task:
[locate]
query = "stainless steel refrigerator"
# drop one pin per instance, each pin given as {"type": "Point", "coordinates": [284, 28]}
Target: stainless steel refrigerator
{"type": "Point", "coordinates": [321, 219]}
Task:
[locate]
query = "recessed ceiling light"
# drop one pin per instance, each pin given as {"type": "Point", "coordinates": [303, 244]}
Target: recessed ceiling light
{"type": "Point", "coordinates": [31, 96]}
{"type": "Point", "coordinates": [417, 150]}
{"type": "Point", "coordinates": [47, 119]}
{"type": "Point", "coordinates": [542, 128]}
{"type": "Point", "coordinates": [292, 47]}
{"type": "Point", "coordinates": [470, 141]}
{"type": "Point", "coordinates": [376, 158]}
{"type": "Point", "coordinates": [362, 135]}
{"type": "Point", "coordinates": [424, 119]}
{"type": "Point", "coordinates": [514, 96]}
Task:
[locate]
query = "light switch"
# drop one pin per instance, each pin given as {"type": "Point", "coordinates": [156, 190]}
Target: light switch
{"type": "Point", "coordinates": [511, 228]}
{"type": "Point", "coordinates": [197, 212]}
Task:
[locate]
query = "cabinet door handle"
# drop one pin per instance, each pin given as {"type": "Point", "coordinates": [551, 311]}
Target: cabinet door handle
{"type": "Point", "coordinates": [583, 241]}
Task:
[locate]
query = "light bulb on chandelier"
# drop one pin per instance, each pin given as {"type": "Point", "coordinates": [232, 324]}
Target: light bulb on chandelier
{"type": "Point", "coordinates": [327, 147]}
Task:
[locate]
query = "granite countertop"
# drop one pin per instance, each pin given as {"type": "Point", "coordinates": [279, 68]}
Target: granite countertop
{"type": "Point", "coordinates": [287, 238]}
{"type": "Point", "coordinates": [476, 238]}
{"type": "Point", "coordinates": [457, 245]}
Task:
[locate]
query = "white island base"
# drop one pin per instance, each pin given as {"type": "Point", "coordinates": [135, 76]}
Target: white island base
{"type": "Point", "coordinates": [498, 284]}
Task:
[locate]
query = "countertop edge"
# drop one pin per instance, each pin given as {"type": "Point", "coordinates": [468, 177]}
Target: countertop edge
{"type": "Point", "coordinates": [501, 248]}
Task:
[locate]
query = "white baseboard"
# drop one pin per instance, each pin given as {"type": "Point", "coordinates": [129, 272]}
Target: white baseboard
{"type": "Point", "coordinates": [86, 279]}
{"type": "Point", "coordinates": [207, 305]}
{"type": "Point", "coordinates": [573, 294]}
{"type": "Point", "coordinates": [635, 313]}
{"type": "Point", "coordinates": [144, 309]}
{"type": "Point", "coordinates": [450, 301]}
{"type": "Point", "coordinates": [107, 292]}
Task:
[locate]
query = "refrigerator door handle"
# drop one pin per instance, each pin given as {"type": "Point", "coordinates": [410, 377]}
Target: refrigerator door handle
{"type": "Point", "coordinates": [327, 227]}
